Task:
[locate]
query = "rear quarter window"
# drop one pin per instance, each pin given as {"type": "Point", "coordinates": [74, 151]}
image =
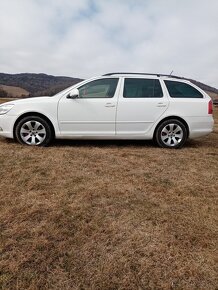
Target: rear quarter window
{"type": "Point", "coordinates": [182, 90]}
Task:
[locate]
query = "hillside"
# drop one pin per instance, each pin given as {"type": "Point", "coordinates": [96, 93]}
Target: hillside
{"type": "Point", "coordinates": [14, 92]}
{"type": "Point", "coordinates": [43, 84]}
{"type": "Point", "coordinates": [214, 96]}
{"type": "Point", "coordinates": [204, 87]}
{"type": "Point", "coordinates": [37, 84]}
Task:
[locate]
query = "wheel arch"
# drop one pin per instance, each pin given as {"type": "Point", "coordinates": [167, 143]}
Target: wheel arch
{"type": "Point", "coordinates": [33, 114]}
{"type": "Point", "coordinates": [175, 118]}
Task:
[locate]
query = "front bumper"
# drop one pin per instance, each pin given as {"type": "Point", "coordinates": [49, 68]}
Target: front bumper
{"type": "Point", "coordinates": [6, 125]}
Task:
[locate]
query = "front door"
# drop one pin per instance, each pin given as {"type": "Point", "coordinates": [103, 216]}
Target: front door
{"type": "Point", "coordinates": [93, 112]}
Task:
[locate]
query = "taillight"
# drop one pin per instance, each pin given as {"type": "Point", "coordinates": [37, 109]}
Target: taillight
{"type": "Point", "coordinates": [210, 107]}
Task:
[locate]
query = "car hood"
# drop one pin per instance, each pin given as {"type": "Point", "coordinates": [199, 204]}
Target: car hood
{"type": "Point", "coordinates": [29, 100]}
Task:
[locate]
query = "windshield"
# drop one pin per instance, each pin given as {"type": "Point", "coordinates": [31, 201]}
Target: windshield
{"type": "Point", "coordinates": [68, 89]}
{"type": "Point", "coordinates": [63, 92]}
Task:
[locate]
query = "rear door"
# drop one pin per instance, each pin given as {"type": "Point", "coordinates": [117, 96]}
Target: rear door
{"type": "Point", "coordinates": [141, 103]}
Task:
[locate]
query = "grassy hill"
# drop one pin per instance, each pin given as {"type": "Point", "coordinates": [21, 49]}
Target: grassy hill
{"type": "Point", "coordinates": [16, 85]}
{"type": "Point", "coordinates": [214, 96]}
{"type": "Point", "coordinates": [14, 92]}
{"type": "Point", "coordinates": [37, 84]}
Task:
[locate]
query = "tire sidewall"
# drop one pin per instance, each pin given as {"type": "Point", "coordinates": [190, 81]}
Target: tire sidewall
{"type": "Point", "coordinates": [48, 137]}
{"type": "Point", "coordinates": [165, 123]}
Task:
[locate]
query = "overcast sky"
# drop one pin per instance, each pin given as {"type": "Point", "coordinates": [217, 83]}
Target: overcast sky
{"type": "Point", "coordinates": [84, 38]}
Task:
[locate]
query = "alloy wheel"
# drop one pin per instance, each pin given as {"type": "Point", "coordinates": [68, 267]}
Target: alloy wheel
{"type": "Point", "coordinates": [33, 133]}
{"type": "Point", "coordinates": [171, 134]}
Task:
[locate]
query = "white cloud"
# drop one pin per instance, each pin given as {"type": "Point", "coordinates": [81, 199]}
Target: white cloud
{"type": "Point", "coordinates": [89, 37]}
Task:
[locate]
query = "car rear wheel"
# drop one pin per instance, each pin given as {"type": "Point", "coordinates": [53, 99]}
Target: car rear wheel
{"type": "Point", "coordinates": [33, 131]}
{"type": "Point", "coordinates": [171, 134]}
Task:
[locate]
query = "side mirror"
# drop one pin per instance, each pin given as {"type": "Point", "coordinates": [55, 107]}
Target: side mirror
{"type": "Point", "coordinates": [74, 94]}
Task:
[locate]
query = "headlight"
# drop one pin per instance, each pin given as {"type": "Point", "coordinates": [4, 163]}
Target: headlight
{"type": "Point", "coordinates": [5, 108]}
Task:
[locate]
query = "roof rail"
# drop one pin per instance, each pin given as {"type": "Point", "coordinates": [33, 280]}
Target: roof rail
{"type": "Point", "coordinates": [147, 74]}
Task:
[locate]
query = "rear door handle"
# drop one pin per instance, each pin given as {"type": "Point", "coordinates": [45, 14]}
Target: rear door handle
{"type": "Point", "coordinates": [161, 105]}
{"type": "Point", "coordinates": [109, 105]}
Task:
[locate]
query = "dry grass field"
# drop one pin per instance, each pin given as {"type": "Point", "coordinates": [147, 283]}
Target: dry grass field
{"type": "Point", "coordinates": [7, 100]}
{"type": "Point", "coordinates": [14, 91]}
{"type": "Point", "coordinates": [213, 95]}
{"type": "Point", "coordinates": [109, 215]}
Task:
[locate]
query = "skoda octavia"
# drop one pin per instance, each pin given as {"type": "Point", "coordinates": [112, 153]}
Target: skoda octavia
{"type": "Point", "coordinates": [164, 108]}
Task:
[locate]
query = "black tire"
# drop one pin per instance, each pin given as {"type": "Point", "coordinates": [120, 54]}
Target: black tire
{"type": "Point", "coordinates": [35, 137]}
{"type": "Point", "coordinates": [171, 134]}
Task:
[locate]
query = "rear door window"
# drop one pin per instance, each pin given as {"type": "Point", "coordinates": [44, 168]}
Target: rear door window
{"type": "Point", "coordinates": [142, 88]}
{"type": "Point", "coordinates": [182, 90]}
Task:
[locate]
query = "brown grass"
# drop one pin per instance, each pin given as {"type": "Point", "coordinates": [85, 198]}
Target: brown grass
{"type": "Point", "coordinates": [7, 100]}
{"type": "Point", "coordinates": [109, 215]}
{"type": "Point", "coordinates": [15, 92]}
{"type": "Point", "coordinates": [213, 95]}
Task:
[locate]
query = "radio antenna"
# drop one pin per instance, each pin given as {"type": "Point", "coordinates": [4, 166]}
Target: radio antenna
{"type": "Point", "coordinates": [171, 72]}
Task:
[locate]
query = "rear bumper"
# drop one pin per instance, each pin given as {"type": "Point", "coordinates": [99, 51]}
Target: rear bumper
{"type": "Point", "coordinates": [6, 125]}
{"type": "Point", "coordinates": [200, 126]}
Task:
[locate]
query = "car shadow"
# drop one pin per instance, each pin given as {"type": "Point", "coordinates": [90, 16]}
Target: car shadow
{"type": "Point", "coordinates": [103, 143]}
{"type": "Point", "coordinates": [110, 143]}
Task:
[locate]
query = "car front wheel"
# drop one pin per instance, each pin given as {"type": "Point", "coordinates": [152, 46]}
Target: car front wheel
{"type": "Point", "coordinates": [171, 134]}
{"type": "Point", "coordinates": [34, 131]}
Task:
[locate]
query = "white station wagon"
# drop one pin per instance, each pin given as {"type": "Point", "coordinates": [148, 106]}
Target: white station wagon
{"type": "Point", "coordinates": [164, 108]}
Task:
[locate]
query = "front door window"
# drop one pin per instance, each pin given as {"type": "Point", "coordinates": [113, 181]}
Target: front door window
{"type": "Point", "coordinates": [103, 88]}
